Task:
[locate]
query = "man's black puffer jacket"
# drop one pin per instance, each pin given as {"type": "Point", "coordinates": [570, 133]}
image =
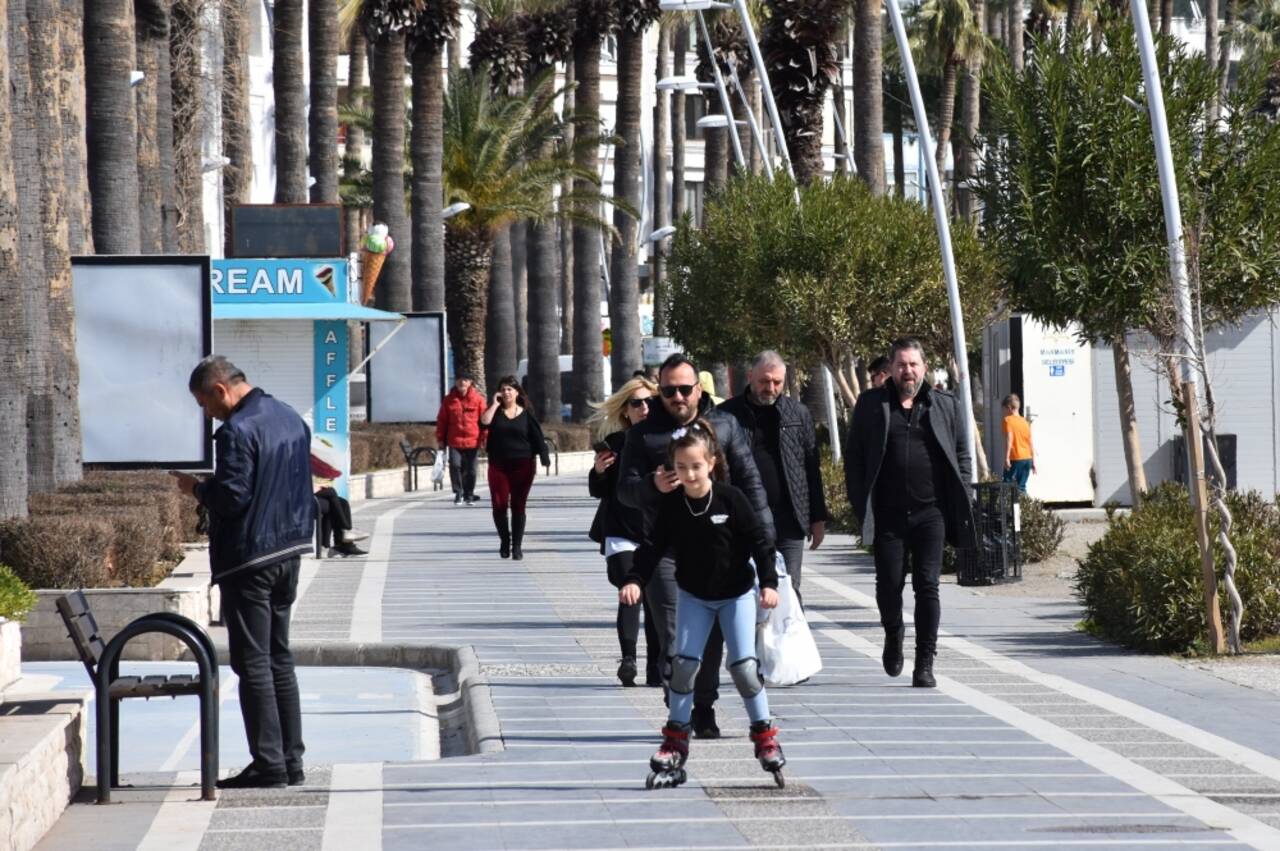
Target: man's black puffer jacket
{"type": "Point", "coordinates": [798, 445]}
{"type": "Point", "coordinates": [646, 450]}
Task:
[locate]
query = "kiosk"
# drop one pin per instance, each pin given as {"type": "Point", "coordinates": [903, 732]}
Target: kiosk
{"type": "Point", "coordinates": [284, 322]}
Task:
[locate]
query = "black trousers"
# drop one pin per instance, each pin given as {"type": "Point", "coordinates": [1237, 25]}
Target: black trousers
{"type": "Point", "coordinates": [662, 593]}
{"type": "Point", "coordinates": [256, 604]}
{"type": "Point", "coordinates": [335, 516]}
{"type": "Point", "coordinates": [462, 471]}
{"type": "Point", "coordinates": [910, 541]}
{"type": "Point", "coordinates": [792, 552]}
{"type": "Point", "coordinates": [619, 565]}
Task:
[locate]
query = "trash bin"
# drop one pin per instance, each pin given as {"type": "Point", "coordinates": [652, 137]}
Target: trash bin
{"type": "Point", "coordinates": [997, 557]}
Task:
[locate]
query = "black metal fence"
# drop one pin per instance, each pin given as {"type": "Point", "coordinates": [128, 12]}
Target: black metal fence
{"type": "Point", "coordinates": [997, 557]}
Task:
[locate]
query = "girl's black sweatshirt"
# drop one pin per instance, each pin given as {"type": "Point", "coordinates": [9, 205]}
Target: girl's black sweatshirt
{"type": "Point", "coordinates": [711, 549]}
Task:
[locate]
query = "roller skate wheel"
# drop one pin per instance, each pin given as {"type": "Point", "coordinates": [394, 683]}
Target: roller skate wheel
{"type": "Point", "coordinates": [779, 779]}
{"type": "Point", "coordinates": [650, 780]}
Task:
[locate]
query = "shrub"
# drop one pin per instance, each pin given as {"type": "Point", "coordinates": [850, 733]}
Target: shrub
{"type": "Point", "coordinates": [58, 552]}
{"type": "Point", "coordinates": [842, 517]}
{"type": "Point", "coordinates": [360, 453]}
{"type": "Point", "coordinates": [162, 509]}
{"type": "Point", "coordinates": [16, 599]}
{"type": "Point", "coordinates": [1041, 532]}
{"type": "Point", "coordinates": [570, 437]}
{"type": "Point", "coordinates": [187, 518]}
{"type": "Point", "coordinates": [1140, 584]}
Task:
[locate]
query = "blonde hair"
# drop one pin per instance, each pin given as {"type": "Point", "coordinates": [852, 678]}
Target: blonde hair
{"type": "Point", "coordinates": [611, 414]}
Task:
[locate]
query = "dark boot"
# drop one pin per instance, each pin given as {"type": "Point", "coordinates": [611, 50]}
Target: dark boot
{"type": "Point", "coordinates": [704, 722]}
{"type": "Point", "coordinates": [922, 676]}
{"type": "Point", "coordinates": [892, 656]}
{"type": "Point", "coordinates": [517, 536]}
{"type": "Point", "coordinates": [504, 532]}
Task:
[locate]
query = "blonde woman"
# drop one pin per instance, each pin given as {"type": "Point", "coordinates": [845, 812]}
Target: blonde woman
{"type": "Point", "coordinates": [618, 528]}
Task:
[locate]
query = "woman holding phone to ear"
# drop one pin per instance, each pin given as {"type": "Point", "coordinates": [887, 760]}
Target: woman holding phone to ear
{"type": "Point", "coordinates": [515, 440]}
{"type": "Point", "coordinates": [618, 528]}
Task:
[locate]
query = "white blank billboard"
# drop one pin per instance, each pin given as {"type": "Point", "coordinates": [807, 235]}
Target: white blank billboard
{"type": "Point", "coordinates": [407, 375]}
{"type": "Point", "coordinates": [142, 324]}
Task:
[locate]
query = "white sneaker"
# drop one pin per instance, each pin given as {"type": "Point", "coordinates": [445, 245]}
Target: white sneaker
{"type": "Point", "coordinates": [354, 535]}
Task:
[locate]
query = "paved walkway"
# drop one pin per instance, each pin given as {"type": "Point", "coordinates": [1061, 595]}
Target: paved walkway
{"type": "Point", "coordinates": [1036, 737]}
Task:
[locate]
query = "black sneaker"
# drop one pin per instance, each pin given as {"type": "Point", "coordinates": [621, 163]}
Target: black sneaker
{"type": "Point", "coordinates": [255, 778]}
{"type": "Point", "coordinates": [892, 656]}
{"type": "Point", "coordinates": [704, 722]}
{"type": "Point", "coordinates": [627, 671]}
{"type": "Point", "coordinates": [297, 777]}
{"type": "Point", "coordinates": [457, 499]}
{"type": "Point", "coordinates": [922, 676]}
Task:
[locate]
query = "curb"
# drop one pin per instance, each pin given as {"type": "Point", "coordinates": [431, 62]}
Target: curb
{"type": "Point", "coordinates": [473, 697]}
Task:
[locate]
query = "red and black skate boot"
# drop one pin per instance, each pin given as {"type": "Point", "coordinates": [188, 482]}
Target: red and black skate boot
{"type": "Point", "coordinates": [768, 751]}
{"type": "Point", "coordinates": [668, 763]}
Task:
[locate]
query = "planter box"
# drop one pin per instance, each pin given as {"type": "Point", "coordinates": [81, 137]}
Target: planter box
{"type": "Point", "coordinates": [186, 592]}
{"type": "Point", "coordinates": [41, 765]}
{"type": "Point", "coordinates": [10, 654]}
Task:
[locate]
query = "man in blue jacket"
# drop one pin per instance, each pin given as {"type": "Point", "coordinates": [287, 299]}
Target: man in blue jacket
{"type": "Point", "coordinates": [261, 519]}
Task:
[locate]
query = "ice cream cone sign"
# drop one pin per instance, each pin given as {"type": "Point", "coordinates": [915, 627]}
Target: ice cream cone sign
{"type": "Point", "coordinates": [374, 249]}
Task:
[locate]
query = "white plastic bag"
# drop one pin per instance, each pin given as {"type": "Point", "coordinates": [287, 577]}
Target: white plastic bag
{"type": "Point", "coordinates": [437, 467]}
{"type": "Point", "coordinates": [784, 645]}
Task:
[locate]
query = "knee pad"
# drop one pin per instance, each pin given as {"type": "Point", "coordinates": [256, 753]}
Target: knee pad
{"type": "Point", "coordinates": [684, 671]}
{"type": "Point", "coordinates": [746, 676]}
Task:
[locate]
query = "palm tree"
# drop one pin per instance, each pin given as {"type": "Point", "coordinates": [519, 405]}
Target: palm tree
{"type": "Point", "coordinates": [800, 44]}
{"type": "Point", "coordinates": [74, 151]}
{"type": "Point", "coordinates": [355, 117]}
{"type": "Point", "coordinates": [868, 94]}
{"type": "Point", "coordinates": [499, 46]}
{"type": "Point", "coordinates": [970, 118]}
{"type": "Point", "coordinates": [548, 36]}
{"type": "Point", "coordinates": [624, 292]}
{"type": "Point", "coordinates": [492, 161]}
{"type": "Point", "coordinates": [112, 124]}
{"type": "Point", "coordinates": [291, 98]}
{"type": "Point", "coordinates": [1016, 37]}
{"type": "Point", "coordinates": [186, 52]}
{"type": "Point", "coordinates": [729, 41]}
{"type": "Point", "coordinates": [151, 21]}
{"type": "Point", "coordinates": [386, 23]}
{"type": "Point", "coordinates": [237, 140]}
{"type": "Point", "coordinates": [322, 120]}
{"type": "Point", "coordinates": [595, 20]}
{"type": "Point", "coordinates": [948, 35]}
{"type": "Point", "coordinates": [13, 329]}
{"type": "Point", "coordinates": [661, 209]}
{"type": "Point", "coordinates": [435, 26]}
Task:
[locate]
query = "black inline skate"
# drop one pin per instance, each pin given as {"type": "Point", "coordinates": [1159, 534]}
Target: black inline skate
{"type": "Point", "coordinates": [768, 751]}
{"type": "Point", "coordinates": [668, 763]}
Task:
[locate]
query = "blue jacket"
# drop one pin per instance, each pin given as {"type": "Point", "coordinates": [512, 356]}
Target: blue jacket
{"type": "Point", "coordinates": [260, 502]}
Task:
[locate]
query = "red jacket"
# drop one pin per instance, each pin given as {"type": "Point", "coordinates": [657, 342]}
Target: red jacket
{"type": "Point", "coordinates": [458, 423]}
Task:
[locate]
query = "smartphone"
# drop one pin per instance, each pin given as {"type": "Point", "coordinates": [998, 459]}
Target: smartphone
{"type": "Point", "coordinates": [601, 446]}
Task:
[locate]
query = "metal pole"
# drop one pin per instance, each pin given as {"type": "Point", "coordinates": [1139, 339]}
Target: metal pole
{"type": "Point", "coordinates": [844, 137]}
{"type": "Point", "coordinates": [944, 233]}
{"type": "Point", "coordinates": [1182, 301]}
{"type": "Point", "coordinates": [725, 103]}
{"type": "Point", "coordinates": [752, 123]}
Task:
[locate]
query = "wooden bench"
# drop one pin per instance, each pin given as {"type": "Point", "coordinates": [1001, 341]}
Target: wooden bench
{"type": "Point", "coordinates": [102, 660]}
{"type": "Point", "coordinates": [418, 456]}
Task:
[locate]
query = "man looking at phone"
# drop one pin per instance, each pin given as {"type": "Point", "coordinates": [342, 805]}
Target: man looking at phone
{"type": "Point", "coordinates": [642, 481]}
{"type": "Point", "coordinates": [261, 518]}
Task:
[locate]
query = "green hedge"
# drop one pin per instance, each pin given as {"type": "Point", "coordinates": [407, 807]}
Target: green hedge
{"type": "Point", "coordinates": [842, 517]}
{"type": "Point", "coordinates": [1041, 531]}
{"type": "Point", "coordinates": [1140, 584]}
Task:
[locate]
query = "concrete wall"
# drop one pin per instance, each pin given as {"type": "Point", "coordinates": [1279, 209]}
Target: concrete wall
{"type": "Point", "coordinates": [10, 654]}
{"type": "Point", "coordinates": [41, 766]}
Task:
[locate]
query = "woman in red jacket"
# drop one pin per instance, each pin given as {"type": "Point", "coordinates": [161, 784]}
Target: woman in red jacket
{"type": "Point", "coordinates": [458, 432]}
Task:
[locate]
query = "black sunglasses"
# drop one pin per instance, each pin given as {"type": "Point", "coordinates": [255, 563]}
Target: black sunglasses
{"type": "Point", "coordinates": [685, 390]}
{"type": "Point", "coordinates": [638, 403]}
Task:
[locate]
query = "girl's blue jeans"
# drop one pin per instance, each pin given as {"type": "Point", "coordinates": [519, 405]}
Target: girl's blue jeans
{"type": "Point", "coordinates": [694, 618]}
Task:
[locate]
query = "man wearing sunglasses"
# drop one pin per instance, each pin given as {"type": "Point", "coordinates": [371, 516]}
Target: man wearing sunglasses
{"type": "Point", "coordinates": [642, 481]}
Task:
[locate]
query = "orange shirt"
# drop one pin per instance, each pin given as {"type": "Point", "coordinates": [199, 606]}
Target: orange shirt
{"type": "Point", "coordinates": [1018, 433]}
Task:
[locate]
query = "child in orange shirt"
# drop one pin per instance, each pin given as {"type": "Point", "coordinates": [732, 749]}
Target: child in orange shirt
{"type": "Point", "coordinates": [1019, 454]}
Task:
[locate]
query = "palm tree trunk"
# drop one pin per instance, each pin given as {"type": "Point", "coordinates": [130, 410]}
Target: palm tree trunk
{"type": "Point", "coordinates": [322, 121]}
{"type": "Point", "coordinates": [1166, 16]}
{"type": "Point", "coordinates": [112, 125]}
{"type": "Point", "coordinates": [624, 294]}
{"type": "Point", "coordinates": [750, 153]}
{"type": "Point", "coordinates": [165, 144]}
{"type": "Point", "coordinates": [14, 333]}
{"type": "Point", "coordinates": [543, 242]}
{"type": "Point", "coordinates": [287, 66]}
{"type": "Point", "coordinates": [1073, 14]}
{"type": "Point", "coordinates": [74, 152]}
{"type": "Point", "coordinates": [1224, 50]}
{"type": "Point", "coordinates": [1129, 421]}
{"type": "Point", "coordinates": [353, 150]}
{"type": "Point", "coordinates": [868, 95]}
{"type": "Point", "coordinates": [500, 318]}
{"type": "Point", "coordinates": [844, 139]}
{"type": "Point", "coordinates": [237, 140]}
{"type": "Point", "coordinates": [1016, 21]}
{"type": "Point", "coordinates": [186, 62]}
{"type": "Point", "coordinates": [468, 257]}
{"type": "Point", "coordinates": [62, 379]}
{"type": "Point", "coordinates": [588, 368]}
{"type": "Point", "coordinates": [970, 119]}
{"type": "Point", "coordinates": [393, 291]}
{"type": "Point", "coordinates": [151, 22]}
{"type": "Point", "coordinates": [679, 123]}
{"type": "Point", "coordinates": [661, 160]}
{"type": "Point", "coordinates": [520, 287]}
{"type": "Point", "coordinates": [567, 301]}
{"type": "Point", "coordinates": [946, 111]}
{"type": "Point", "coordinates": [427, 145]}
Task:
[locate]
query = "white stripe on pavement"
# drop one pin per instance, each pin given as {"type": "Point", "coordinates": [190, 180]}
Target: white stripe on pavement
{"type": "Point", "coordinates": [354, 817]}
{"type": "Point", "coordinates": [183, 818]}
{"type": "Point", "coordinates": [366, 610]}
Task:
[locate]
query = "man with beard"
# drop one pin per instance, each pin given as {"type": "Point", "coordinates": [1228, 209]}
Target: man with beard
{"type": "Point", "coordinates": [785, 448]}
{"type": "Point", "coordinates": [907, 470]}
{"type": "Point", "coordinates": [642, 481]}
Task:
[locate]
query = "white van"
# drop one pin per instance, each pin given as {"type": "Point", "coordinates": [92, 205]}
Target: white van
{"type": "Point", "coordinates": [566, 376]}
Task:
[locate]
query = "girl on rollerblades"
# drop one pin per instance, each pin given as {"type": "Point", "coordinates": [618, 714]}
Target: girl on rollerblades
{"type": "Point", "coordinates": [713, 531]}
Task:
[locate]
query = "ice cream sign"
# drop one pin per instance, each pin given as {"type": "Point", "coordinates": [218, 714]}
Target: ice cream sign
{"type": "Point", "coordinates": [279, 280]}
